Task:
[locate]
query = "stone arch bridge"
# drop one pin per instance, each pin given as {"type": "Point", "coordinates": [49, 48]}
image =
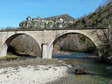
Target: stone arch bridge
{"type": "Point", "coordinates": [46, 38]}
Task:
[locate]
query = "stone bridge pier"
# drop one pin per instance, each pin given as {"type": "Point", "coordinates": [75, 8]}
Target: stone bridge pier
{"type": "Point", "coordinates": [46, 51]}
{"type": "Point", "coordinates": [46, 39]}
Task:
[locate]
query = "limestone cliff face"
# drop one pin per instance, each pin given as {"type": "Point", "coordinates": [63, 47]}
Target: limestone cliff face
{"type": "Point", "coordinates": [24, 45]}
{"type": "Point", "coordinates": [75, 42]}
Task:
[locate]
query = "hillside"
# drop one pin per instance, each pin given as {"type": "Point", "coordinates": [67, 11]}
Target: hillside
{"type": "Point", "coordinates": [101, 18]}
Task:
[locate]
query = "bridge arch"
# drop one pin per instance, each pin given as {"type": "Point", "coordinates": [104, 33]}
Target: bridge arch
{"type": "Point", "coordinates": [13, 36]}
{"type": "Point", "coordinates": [93, 41]}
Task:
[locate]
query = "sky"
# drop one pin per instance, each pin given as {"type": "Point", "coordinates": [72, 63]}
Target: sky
{"type": "Point", "coordinates": [12, 12]}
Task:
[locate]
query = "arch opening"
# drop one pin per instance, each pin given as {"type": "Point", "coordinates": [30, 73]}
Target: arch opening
{"type": "Point", "coordinates": [23, 45]}
{"type": "Point", "coordinates": [72, 45]}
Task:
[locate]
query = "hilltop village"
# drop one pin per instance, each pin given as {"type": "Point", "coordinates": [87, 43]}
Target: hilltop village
{"type": "Point", "coordinates": [61, 21]}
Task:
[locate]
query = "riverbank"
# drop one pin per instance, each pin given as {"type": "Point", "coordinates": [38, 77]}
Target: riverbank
{"type": "Point", "coordinates": [37, 71]}
{"type": "Point", "coordinates": [24, 62]}
{"type": "Point", "coordinates": [15, 70]}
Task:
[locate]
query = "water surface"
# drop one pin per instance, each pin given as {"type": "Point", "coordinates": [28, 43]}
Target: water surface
{"type": "Point", "coordinates": [90, 62]}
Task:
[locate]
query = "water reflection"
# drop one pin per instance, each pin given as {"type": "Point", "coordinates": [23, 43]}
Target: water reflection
{"type": "Point", "coordinates": [76, 55]}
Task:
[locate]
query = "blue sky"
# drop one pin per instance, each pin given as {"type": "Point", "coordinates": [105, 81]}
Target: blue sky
{"type": "Point", "coordinates": [12, 12]}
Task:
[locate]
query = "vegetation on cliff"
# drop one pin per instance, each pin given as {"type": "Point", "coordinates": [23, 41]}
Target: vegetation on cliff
{"type": "Point", "coordinates": [101, 18]}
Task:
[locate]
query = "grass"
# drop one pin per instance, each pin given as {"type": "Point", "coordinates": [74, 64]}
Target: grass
{"type": "Point", "coordinates": [15, 61]}
{"type": "Point", "coordinates": [9, 57]}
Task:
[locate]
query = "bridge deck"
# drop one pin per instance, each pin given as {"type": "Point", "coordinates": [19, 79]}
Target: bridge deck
{"type": "Point", "coordinates": [8, 30]}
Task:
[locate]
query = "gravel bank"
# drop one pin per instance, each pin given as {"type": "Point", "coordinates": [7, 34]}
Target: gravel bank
{"type": "Point", "coordinates": [40, 74]}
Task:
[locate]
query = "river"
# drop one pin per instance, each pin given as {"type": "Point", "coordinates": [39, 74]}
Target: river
{"type": "Point", "coordinates": [103, 71]}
